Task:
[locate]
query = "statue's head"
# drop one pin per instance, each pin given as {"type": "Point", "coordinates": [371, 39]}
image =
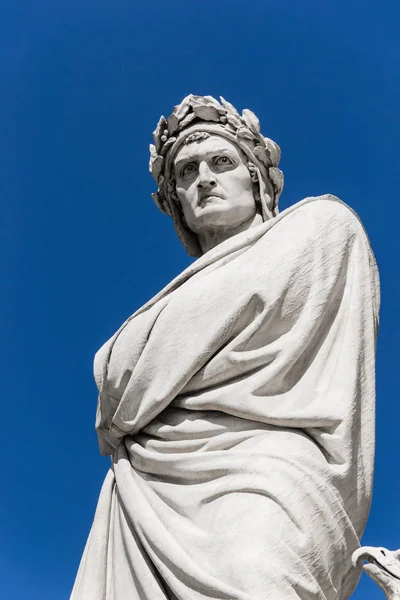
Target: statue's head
{"type": "Point", "coordinates": [213, 165]}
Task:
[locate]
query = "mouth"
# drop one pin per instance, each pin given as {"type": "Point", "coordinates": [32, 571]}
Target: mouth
{"type": "Point", "coordinates": [208, 198]}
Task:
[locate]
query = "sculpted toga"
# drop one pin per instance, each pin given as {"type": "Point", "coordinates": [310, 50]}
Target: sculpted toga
{"type": "Point", "coordinates": [238, 404]}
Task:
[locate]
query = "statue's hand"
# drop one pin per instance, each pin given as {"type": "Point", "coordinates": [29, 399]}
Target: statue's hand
{"type": "Point", "coordinates": [383, 566]}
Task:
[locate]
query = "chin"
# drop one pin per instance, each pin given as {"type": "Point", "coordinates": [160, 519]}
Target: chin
{"type": "Point", "coordinates": [214, 219]}
{"type": "Point", "coordinates": [212, 216]}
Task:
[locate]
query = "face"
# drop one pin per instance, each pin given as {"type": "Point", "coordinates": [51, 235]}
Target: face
{"type": "Point", "coordinates": [214, 185]}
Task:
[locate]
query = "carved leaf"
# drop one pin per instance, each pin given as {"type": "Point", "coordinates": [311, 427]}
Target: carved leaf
{"type": "Point", "coordinates": [161, 125]}
{"type": "Point", "coordinates": [172, 123]}
{"type": "Point", "coordinates": [251, 121]}
{"type": "Point", "coordinates": [153, 152]}
{"type": "Point", "coordinates": [261, 153]}
{"type": "Point", "coordinates": [274, 150]}
{"type": "Point", "coordinates": [206, 112]}
{"type": "Point", "coordinates": [204, 100]}
{"type": "Point", "coordinates": [245, 133]}
{"type": "Point", "coordinates": [234, 121]}
{"type": "Point", "coordinates": [156, 166]}
{"type": "Point", "coordinates": [276, 176]}
{"type": "Point", "coordinates": [167, 145]}
{"type": "Point", "coordinates": [188, 119]}
{"type": "Point", "coordinates": [229, 107]}
{"type": "Point", "coordinates": [182, 109]}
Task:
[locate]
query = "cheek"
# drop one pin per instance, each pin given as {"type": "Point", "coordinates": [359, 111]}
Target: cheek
{"type": "Point", "coordinates": [183, 194]}
{"type": "Point", "coordinates": [239, 181]}
{"type": "Point", "coordinates": [186, 197]}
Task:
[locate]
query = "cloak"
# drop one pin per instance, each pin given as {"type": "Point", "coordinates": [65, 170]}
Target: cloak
{"type": "Point", "coordinates": [238, 408]}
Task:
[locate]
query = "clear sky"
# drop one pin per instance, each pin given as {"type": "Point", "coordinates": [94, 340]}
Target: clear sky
{"type": "Point", "coordinates": [83, 83]}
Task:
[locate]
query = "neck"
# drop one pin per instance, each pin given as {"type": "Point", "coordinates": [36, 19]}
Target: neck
{"type": "Point", "coordinates": [210, 239]}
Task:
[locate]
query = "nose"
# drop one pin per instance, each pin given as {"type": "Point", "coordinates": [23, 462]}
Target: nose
{"type": "Point", "coordinates": [206, 176]}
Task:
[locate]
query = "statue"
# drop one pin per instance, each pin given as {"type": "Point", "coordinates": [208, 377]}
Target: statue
{"type": "Point", "coordinates": [238, 404]}
{"type": "Point", "coordinates": [383, 566]}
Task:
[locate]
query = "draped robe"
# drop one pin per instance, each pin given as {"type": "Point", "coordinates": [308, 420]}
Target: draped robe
{"type": "Point", "coordinates": [238, 408]}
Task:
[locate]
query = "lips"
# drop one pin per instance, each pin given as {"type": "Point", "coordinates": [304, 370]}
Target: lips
{"type": "Point", "coordinates": [203, 199]}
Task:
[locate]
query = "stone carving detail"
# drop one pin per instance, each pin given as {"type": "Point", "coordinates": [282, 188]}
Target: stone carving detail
{"type": "Point", "coordinates": [237, 405]}
{"type": "Point", "coordinates": [383, 566]}
{"type": "Point", "coordinates": [205, 112]}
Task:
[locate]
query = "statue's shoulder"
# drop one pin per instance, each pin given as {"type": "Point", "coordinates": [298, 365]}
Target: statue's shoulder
{"type": "Point", "coordinates": [326, 211]}
{"type": "Point", "coordinates": [100, 360]}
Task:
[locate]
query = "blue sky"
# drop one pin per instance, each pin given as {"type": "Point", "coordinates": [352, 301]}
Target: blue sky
{"type": "Point", "coordinates": [83, 84]}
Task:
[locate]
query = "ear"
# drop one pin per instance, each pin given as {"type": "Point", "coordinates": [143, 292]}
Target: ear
{"type": "Point", "coordinates": [253, 172]}
{"type": "Point", "coordinates": [255, 183]}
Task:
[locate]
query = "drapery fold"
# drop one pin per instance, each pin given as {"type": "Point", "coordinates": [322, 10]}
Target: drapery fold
{"type": "Point", "coordinates": [238, 407]}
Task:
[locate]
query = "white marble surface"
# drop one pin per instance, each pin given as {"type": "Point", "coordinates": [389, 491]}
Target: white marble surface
{"type": "Point", "coordinates": [383, 566]}
{"type": "Point", "coordinates": [238, 404]}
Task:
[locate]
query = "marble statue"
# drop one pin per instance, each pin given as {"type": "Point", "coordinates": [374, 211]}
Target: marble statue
{"type": "Point", "coordinates": [237, 405]}
{"type": "Point", "coordinates": [383, 566]}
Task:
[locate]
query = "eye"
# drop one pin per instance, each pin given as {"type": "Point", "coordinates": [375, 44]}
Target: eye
{"type": "Point", "coordinates": [188, 169]}
{"type": "Point", "coordinates": [223, 161]}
